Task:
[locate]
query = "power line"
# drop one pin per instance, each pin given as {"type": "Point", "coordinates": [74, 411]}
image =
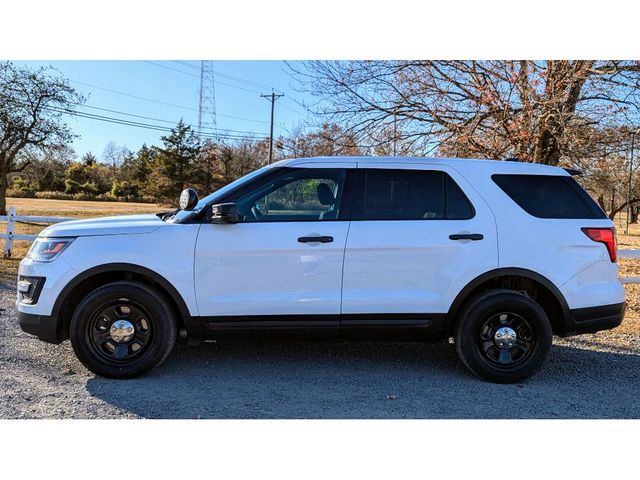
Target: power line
{"type": "Point", "coordinates": [160, 128]}
{"type": "Point", "coordinates": [121, 121]}
{"type": "Point", "coordinates": [186, 64]}
{"type": "Point", "coordinates": [248, 82]}
{"type": "Point", "coordinates": [134, 96]}
{"type": "Point", "coordinates": [198, 76]}
{"type": "Point", "coordinates": [228, 133]}
{"type": "Point", "coordinates": [195, 76]}
{"type": "Point", "coordinates": [172, 122]}
{"type": "Point", "coordinates": [222, 132]}
{"type": "Point", "coordinates": [171, 68]}
{"type": "Point", "coordinates": [226, 75]}
{"type": "Point", "coordinates": [292, 109]}
{"type": "Point", "coordinates": [184, 107]}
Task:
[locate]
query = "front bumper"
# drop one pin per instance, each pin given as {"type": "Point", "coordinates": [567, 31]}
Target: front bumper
{"type": "Point", "coordinates": [594, 319]}
{"type": "Point", "coordinates": [47, 328]}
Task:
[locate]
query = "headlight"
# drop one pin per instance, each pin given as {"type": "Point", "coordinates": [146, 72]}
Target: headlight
{"type": "Point", "coordinates": [47, 249]}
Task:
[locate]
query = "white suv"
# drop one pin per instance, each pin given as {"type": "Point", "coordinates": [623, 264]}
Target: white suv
{"type": "Point", "coordinates": [499, 255]}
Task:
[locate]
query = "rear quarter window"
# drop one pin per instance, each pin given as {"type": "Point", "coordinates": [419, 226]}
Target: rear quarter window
{"type": "Point", "coordinates": [549, 196]}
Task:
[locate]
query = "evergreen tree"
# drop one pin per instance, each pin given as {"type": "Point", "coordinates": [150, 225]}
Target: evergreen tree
{"type": "Point", "coordinates": [176, 162]}
{"type": "Point", "coordinates": [143, 164]}
{"type": "Point", "coordinates": [89, 159]}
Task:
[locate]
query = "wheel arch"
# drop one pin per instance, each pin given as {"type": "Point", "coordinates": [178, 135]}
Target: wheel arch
{"type": "Point", "coordinates": [90, 279]}
{"type": "Point", "coordinates": [537, 286]}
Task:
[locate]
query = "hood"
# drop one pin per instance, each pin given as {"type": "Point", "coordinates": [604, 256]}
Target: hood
{"type": "Point", "coordinates": [120, 225]}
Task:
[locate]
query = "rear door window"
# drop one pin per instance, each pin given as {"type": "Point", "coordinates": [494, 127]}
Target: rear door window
{"type": "Point", "coordinates": [549, 196]}
{"type": "Point", "coordinates": [390, 194]}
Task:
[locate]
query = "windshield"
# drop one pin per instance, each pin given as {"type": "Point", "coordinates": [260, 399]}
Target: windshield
{"type": "Point", "coordinates": [183, 215]}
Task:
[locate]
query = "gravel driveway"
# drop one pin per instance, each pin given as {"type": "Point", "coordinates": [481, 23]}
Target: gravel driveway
{"type": "Point", "coordinates": [593, 376]}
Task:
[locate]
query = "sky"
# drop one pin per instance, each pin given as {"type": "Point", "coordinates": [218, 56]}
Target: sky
{"type": "Point", "coordinates": [166, 91]}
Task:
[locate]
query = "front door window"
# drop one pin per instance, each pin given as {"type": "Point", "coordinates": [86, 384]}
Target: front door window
{"type": "Point", "coordinates": [299, 195]}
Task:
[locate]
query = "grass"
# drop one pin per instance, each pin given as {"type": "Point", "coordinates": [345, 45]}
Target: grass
{"type": "Point", "coordinates": [80, 209]}
{"type": "Point", "coordinates": [630, 240]}
{"type": "Point", "coordinates": [59, 208]}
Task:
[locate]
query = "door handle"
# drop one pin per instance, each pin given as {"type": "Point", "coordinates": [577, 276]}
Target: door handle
{"type": "Point", "coordinates": [323, 239]}
{"type": "Point", "coordinates": [466, 236]}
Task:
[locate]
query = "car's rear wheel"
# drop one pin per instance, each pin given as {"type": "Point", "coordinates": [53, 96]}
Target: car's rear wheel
{"type": "Point", "coordinates": [123, 329]}
{"type": "Point", "coordinates": [503, 336]}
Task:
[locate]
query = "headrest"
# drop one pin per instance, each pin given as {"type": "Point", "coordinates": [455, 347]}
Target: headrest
{"type": "Point", "coordinates": [325, 195]}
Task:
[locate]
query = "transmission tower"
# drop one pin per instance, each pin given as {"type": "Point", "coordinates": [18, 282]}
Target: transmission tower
{"type": "Point", "coordinates": [207, 110]}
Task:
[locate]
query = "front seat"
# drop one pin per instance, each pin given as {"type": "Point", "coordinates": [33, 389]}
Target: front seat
{"type": "Point", "coordinates": [325, 197]}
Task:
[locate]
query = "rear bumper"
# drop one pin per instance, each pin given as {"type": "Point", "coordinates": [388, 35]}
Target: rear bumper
{"type": "Point", "coordinates": [45, 327]}
{"type": "Point", "coordinates": [594, 319]}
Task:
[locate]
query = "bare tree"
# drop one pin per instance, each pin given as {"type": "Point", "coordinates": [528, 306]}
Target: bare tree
{"type": "Point", "coordinates": [490, 109]}
{"type": "Point", "coordinates": [328, 140]}
{"type": "Point", "coordinates": [114, 155]}
{"type": "Point", "coordinates": [221, 163]}
{"type": "Point", "coordinates": [32, 106]}
{"type": "Point", "coordinates": [241, 158]}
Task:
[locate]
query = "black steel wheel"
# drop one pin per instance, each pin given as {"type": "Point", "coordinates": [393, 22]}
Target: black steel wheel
{"type": "Point", "coordinates": [506, 340]}
{"type": "Point", "coordinates": [120, 330]}
{"type": "Point", "coordinates": [503, 336]}
{"type": "Point", "coordinates": [123, 329]}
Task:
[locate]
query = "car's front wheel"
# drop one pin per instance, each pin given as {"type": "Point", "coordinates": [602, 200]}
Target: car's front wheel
{"type": "Point", "coordinates": [503, 336]}
{"type": "Point", "coordinates": [123, 329]}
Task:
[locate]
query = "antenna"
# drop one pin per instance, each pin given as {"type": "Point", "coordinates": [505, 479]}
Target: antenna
{"type": "Point", "coordinates": [207, 110]}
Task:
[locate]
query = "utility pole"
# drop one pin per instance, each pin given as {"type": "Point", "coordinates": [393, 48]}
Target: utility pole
{"type": "Point", "coordinates": [273, 97]}
{"type": "Point", "coordinates": [633, 139]}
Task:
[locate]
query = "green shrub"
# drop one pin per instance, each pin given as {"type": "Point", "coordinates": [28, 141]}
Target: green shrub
{"type": "Point", "coordinates": [89, 188]}
{"type": "Point", "coordinates": [20, 193]}
{"type": "Point", "coordinates": [19, 184]}
{"type": "Point", "coordinates": [104, 197]}
{"type": "Point", "coordinates": [123, 189]}
{"type": "Point", "coordinates": [70, 187]}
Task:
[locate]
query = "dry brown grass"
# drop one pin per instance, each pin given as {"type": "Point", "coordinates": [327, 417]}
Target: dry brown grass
{"type": "Point", "coordinates": [630, 240]}
{"type": "Point", "coordinates": [629, 268]}
{"type": "Point", "coordinates": [78, 208]}
{"type": "Point", "coordinates": [59, 208]}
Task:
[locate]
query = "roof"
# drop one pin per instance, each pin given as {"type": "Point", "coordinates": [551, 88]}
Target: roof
{"type": "Point", "coordinates": [494, 166]}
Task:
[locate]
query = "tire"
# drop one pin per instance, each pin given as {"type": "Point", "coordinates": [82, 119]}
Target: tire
{"type": "Point", "coordinates": [503, 336]}
{"type": "Point", "coordinates": [147, 333]}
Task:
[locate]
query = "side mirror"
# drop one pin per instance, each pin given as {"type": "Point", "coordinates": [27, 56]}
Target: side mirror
{"type": "Point", "coordinates": [188, 199]}
{"type": "Point", "coordinates": [224, 213]}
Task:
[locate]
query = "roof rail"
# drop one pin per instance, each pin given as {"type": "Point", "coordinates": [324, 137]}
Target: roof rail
{"type": "Point", "coordinates": [512, 159]}
{"type": "Point", "coordinates": [573, 172]}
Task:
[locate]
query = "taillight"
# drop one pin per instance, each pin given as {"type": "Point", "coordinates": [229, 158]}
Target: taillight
{"type": "Point", "coordinates": [606, 236]}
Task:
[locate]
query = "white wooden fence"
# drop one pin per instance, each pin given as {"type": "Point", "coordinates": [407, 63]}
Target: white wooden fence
{"type": "Point", "coordinates": [11, 218]}
{"type": "Point", "coordinates": [9, 236]}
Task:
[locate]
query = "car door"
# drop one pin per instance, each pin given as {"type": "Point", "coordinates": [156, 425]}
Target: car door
{"type": "Point", "coordinates": [280, 267]}
{"type": "Point", "coordinates": [419, 234]}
